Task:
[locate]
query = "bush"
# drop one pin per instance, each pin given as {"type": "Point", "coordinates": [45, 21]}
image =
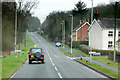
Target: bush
{"type": "Point", "coordinates": [76, 44]}
{"type": "Point", "coordinates": [86, 50]}
{"type": "Point", "coordinates": [82, 45]}
{"type": "Point", "coordinates": [111, 56]}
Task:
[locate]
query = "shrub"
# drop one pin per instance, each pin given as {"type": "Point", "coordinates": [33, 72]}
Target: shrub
{"type": "Point", "coordinates": [111, 56]}
{"type": "Point", "coordinates": [86, 50]}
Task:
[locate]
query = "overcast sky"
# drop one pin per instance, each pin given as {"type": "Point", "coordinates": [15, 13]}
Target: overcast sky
{"type": "Point", "coordinates": [46, 6]}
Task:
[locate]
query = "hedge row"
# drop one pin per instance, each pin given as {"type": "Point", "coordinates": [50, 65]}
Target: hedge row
{"type": "Point", "coordinates": [111, 56]}
{"type": "Point", "coordinates": [76, 44]}
{"type": "Point", "coordinates": [81, 46]}
{"type": "Point", "coordinates": [86, 50]}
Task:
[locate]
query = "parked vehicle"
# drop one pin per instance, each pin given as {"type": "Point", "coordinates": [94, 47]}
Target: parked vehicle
{"type": "Point", "coordinates": [36, 54]}
{"type": "Point", "coordinates": [58, 44]}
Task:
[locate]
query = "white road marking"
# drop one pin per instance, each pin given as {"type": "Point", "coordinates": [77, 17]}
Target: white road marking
{"type": "Point", "coordinates": [50, 59]}
{"type": "Point", "coordinates": [59, 75]}
{"type": "Point", "coordinates": [53, 64]}
{"type": "Point", "coordinates": [17, 71]}
{"type": "Point", "coordinates": [56, 69]}
{"type": "Point", "coordinates": [69, 57]}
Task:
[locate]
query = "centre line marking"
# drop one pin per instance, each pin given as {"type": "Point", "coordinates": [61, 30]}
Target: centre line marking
{"type": "Point", "coordinates": [53, 64]}
{"type": "Point", "coordinates": [59, 75]}
{"type": "Point", "coordinates": [56, 69]}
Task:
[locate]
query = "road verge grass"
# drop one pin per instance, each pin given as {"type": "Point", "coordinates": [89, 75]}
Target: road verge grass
{"type": "Point", "coordinates": [100, 68]}
{"type": "Point", "coordinates": [80, 52]}
{"type": "Point", "coordinates": [66, 52]}
{"type": "Point", "coordinates": [10, 64]}
{"type": "Point", "coordinates": [0, 68]}
{"type": "Point", "coordinates": [107, 62]}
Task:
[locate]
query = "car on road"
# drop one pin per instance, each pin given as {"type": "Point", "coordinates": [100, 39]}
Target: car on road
{"type": "Point", "coordinates": [36, 54]}
{"type": "Point", "coordinates": [58, 44]}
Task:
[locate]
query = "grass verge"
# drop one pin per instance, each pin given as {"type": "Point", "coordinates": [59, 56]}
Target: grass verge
{"type": "Point", "coordinates": [67, 46]}
{"type": "Point", "coordinates": [100, 68]}
{"type": "Point", "coordinates": [10, 64]}
{"type": "Point", "coordinates": [80, 52]}
{"type": "Point", "coordinates": [107, 62]}
{"type": "Point", "coordinates": [0, 68]}
{"type": "Point", "coordinates": [66, 52]}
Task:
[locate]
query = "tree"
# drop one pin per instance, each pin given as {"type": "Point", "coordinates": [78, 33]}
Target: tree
{"type": "Point", "coordinates": [8, 21]}
{"type": "Point", "coordinates": [80, 8]}
{"type": "Point", "coordinates": [33, 24]}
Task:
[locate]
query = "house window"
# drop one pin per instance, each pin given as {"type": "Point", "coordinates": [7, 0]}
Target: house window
{"type": "Point", "coordinates": [118, 33]}
{"type": "Point", "coordinates": [110, 44]}
{"type": "Point", "coordinates": [110, 33]}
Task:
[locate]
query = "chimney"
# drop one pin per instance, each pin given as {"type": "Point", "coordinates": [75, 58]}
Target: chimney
{"type": "Point", "coordinates": [96, 15]}
{"type": "Point", "coordinates": [86, 20]}
{"type": "Point", "coordinates": [81, 21]}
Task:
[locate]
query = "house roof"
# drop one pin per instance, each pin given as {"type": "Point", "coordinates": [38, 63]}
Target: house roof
{"type": "Point", "coordinates": [108, 23]}
{"type": "Point", "coordinates": [81, 25]}
{"type": "Point", "coordinates": [118, 40]}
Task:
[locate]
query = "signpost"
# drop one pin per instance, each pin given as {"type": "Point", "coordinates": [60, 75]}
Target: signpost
{"type": "Point", "coordinates": [17, 51]}
{"type": "Point", "coordinates": [91, 56]}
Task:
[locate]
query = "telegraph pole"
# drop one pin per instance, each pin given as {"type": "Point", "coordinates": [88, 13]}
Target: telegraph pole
{"type": "Point", "coordinates": [71, 30]}
{"type": "Point", "coordinates": [115, 31]}
{"type": "Point", "coordinates": [63, 33]}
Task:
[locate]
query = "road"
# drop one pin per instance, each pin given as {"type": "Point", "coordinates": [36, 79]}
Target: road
{"type": "Point", "coordinates": [56, 65]}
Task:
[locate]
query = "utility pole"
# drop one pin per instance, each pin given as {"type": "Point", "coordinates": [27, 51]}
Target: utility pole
{"type": "Point", "coordinates": [91, 20]}
{"type": "Point", "coordinates": [15, 30]}
{"type": "Point", "coordinates": [71, 30]}
{"type": "Point", "coordinates": [115, 32]}
{"type": "Point", "coordinates": [89, 34]}
{"type": "Point", "coordinates": [63, 33]}
{"type": "Point", "coordinates": [92, 12]}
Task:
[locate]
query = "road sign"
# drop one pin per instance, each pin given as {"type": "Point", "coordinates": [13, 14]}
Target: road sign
{"type": "Point", "coordinates": [17, 50]}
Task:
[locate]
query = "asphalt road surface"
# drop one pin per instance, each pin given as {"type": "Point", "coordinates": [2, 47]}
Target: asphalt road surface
{"type": "Point", "coordinates": [56, 65]}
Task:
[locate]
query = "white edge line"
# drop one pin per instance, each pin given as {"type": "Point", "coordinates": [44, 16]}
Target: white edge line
{"type": "Point", "coordinates": [17, 71]}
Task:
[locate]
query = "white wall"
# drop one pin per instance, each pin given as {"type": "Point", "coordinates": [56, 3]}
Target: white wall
{"type": "Point", "coordinates": [106, 38]}
{"type": "Point", "coordinates": [95, 36]}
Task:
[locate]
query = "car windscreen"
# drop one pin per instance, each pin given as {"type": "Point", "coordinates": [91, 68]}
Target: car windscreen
{"type": "Point", "coordinates": [35, 50]}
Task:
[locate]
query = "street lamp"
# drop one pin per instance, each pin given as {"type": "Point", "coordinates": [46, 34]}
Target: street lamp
{"type": "Point", "coordinates": [63, 33]}
{"type": "Point", "coordinates": [91, 21]}
{"type": "Point", "coordinates": [92, 12]}
{"type": "Point", "coordinates": [15, 30]}
{"type": "Point", "coordinates": [89, 32]}
{"type": "Point", "coordinates": [71, 30]}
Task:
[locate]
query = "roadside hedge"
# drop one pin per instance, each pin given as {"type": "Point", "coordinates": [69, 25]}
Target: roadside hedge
{"type": "Point", "coordinates": [84, 48]}
{"type": "Point", "coordinates": [111, 56]}
{"type": "Point", "coordinates": [76, 44]}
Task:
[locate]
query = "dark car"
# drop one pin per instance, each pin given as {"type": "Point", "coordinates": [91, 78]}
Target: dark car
{"type": "Point", "coordinates": [36, 54]}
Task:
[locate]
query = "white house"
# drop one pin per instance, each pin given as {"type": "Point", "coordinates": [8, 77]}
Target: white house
{"type": "Point", "coordinates": [101, 34]}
